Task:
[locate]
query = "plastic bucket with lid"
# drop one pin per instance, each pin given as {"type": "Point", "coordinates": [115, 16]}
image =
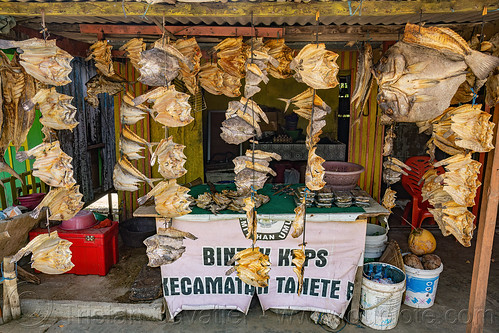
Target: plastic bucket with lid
{"type": "Point", "coordinates": [376, 238]}
{"type": "Point", "coordinates": [380, 301]}
{"type": "Point", "coordinates": [421, 286]}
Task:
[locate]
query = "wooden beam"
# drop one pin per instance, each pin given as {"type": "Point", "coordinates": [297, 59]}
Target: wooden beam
{"type": "Point", "coordinates": [239, 9]}
{"type": "Point", "coordinates": [73, 47]}
{"type": "Point", "coordinates": [115, 29]}
{"type": "Point", "coordinates": [485, 239]}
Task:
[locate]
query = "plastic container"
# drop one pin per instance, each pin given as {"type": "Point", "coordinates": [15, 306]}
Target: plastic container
{"type": "Point", "coordinates": [421, 286]}
{"type": "Point", "coordinates": [376, 239]}
{"type": "Point", "coordinates": [133, 231]}
{"type": "Point", "coordinates": [84, 219]}
{"type": "Point", "coordinates": [342, 175]}
{"type": "Point", "coordinates": [380, 303]}
{"type": "Point", "coordinates": [30, 201]}
{"type": "Point", "coordinates": [94, 251]}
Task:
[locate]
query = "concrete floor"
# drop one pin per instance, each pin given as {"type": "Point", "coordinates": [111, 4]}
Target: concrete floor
{"type": "Point", "coordinates": [447, 315]}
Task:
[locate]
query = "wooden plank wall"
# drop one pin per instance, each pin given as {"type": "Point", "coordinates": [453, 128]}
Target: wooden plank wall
{"type": "Point", "coordinates": [366, 139]}
{"type": "Point", "coordinates": [96, 125]}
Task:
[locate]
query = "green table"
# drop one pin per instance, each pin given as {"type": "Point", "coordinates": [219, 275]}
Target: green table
{"type": "Point", "coordinates": [278, 204]}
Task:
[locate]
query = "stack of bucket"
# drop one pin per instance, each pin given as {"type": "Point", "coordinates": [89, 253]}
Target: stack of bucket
{"type": "Point", "coordinates": [376, 239]}
{"type": "Point", "coordinates": [381, 295]}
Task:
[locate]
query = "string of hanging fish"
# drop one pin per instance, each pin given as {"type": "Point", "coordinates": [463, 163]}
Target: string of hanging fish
{"type": "Point", "coordinates": [419, 79]}
{"type": "Point", "coordinates": [28, 81]}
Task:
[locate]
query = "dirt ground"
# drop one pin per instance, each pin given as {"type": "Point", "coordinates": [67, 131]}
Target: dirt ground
{"type": "Point", "coordinates": [447, 314]}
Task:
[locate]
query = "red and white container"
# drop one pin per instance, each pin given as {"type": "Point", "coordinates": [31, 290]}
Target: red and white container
{"type": "Point", "coordinates": [94, 250]}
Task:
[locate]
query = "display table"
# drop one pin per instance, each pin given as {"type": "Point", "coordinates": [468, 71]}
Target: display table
{"type": "Point", "coordinates": [335, 244]}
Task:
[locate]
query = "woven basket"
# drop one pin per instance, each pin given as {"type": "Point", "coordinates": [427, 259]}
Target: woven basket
{"type": "Point", "coordinates": [393, 255]}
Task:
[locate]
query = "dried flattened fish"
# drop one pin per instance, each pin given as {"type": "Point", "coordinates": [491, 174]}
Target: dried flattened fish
{"type": "Point", "coordinates": [171, 199]}
{"type": "Point", "coordinates": [171, 159]}
{"type": "Point", "coordinates": [133, 49]}
{"type": "Point", "coordinates": [63, 203]}
{"type": "Point", "coordinates": [56, 109]}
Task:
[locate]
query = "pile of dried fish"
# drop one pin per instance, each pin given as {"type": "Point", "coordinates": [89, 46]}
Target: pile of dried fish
{"type": "Point", "coordinates": [298, 261]}
{"type": "Point", "coordinates": [418, 76]}
{"type": "Point", "coordinates": [63, 203]}
{"type": "Point", "coordinates": [52, 165]}
{"type": "Point", "coordinates": [451, 193]}
{"type": "Point", "coordinates": [160, 65]}
{"type": "Point", "coordinates": [393, 170]}
{"type": "Point", "coordinates": [283, 54]}
{"type": "Point", "coordinates": [171, 107]}
{"type": "Point", "coordinates": [227, 199]}
{"type": "Point", "coordinates": [132, 145]}
{"type": "Point", "coordinates": [215, 81]}
{"type": "Point", "coordinates": [251, 170]}
{"type": "Point", "coordinates": [129, 113]}
{"type": "Point", "coordinates": [57, 111]}
{"type": "Point", "coordinates": [459, 129]}
{"type": "Point", "coordinates": [252, 267]}
{"type": "Point", "coordinates": [101, 54]}
{"type": "Point", "coordinates": [388, 200]}
{"type": "Point", "coordinates": [190, 49]}
{"type": "Point", "coordinates": [316, 67]}
{"type": "Point", "coordinates": [50, 254]}
{"type": "Point", "coordinates": [45, 61]}
{"type": "Point", "coordinates": [127, 178]}
{"type": "Point", "coordinates": [363, 79]}
{"type": "Point", "coordinates": [171, 159]}
{"type": "Point", "coordinates": [241, 123]}
{"type": "Point", "coordinates": [133, 49]}
{"type": "Point", "coordinates": [166, 246]}
{"type": "Point", "coordinates": [171, 199]}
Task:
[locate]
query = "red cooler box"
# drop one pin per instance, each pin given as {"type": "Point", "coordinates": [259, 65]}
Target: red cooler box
{"type": "Point", "coordinates": [94, 250]}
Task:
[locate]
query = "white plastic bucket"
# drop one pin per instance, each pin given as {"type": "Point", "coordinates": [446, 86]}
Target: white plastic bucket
{"type": "Point", "coordinates": [380, 303]}
{"type": "Point", "coordinates": [421, 286]}
{"type": "Point", "coordinates": [376, 239]}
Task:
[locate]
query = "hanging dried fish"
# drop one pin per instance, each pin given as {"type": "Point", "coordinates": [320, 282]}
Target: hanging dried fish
{"type": "Point", "coordinates": [299, 261]}
{"type": "Point", "coordinates": [50, 254]}
{"type": "Point", "coordinates": [52, 165]}
{"type": "Point", "coordinates": [56, 109]}
{"type": "Point", "coordinates": [171, 108]}
{"type": "Point", "coordinates": [63, 203]}
{"type": "Point", "coordinates": [126, 177]}
{"type": "Point", "coordinates": [418, 76]}
{"type": "Point", "coordinates": [171, 159]}
{"type": "Point", "coordinates": [132, 145]}
{"type": "Point", "coordinates": [363, 79]}
{"type": "Point", "coordinates": [46, 62]}
{"type": "Point", "coordinates": [314, 174]}
{"type": "Point", "coordinates": [252, 267]}
{"type": "Point", "coordinates": [190, 49]}
{"type": "Point", "coordinates": [101, 54]}
{"type": "Point", "coordinates": [170, 198]}
{"type": "Point", "coordinates": [100, 84]}
{"type": "Point", "coordinates": [388, 200]}
{"type": "Point", "coordinates": [217, 82]}
{"type": "Point", "coordinates": [242, 118]}
{"type": "Point", "coordinates": [283, 54]}
{"type": "Point", "coordinates": [133, 49]}
{"type": "Point", "coordinates": [316, 67]}
{"type": "Point", "coordinates": [129, 113]}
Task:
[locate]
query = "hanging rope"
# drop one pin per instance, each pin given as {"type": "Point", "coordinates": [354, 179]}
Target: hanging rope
{"type": "Point", "coordinates": [44, 31]}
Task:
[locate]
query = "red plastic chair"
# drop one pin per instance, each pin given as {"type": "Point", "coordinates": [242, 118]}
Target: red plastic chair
{"type": "Point", "coordinates": [417, 210]}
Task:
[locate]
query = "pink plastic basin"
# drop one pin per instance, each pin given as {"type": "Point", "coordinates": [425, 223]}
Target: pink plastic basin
{"type": "Point", "coordinates": [30, 201]}
{"type": "Point", "coordinates": [342, 175]}
{"type": "Point", "coordinates": [82, 220]}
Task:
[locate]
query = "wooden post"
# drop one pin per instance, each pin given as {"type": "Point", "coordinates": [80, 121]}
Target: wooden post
{"type": "Point", "coordinates": [11, 305]}
{"type": "Point", "coordinates": [485, 239]}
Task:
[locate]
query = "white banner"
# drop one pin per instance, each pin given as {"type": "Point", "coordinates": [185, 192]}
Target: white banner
{"type": "Point", "coordinates": [197, 280]}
